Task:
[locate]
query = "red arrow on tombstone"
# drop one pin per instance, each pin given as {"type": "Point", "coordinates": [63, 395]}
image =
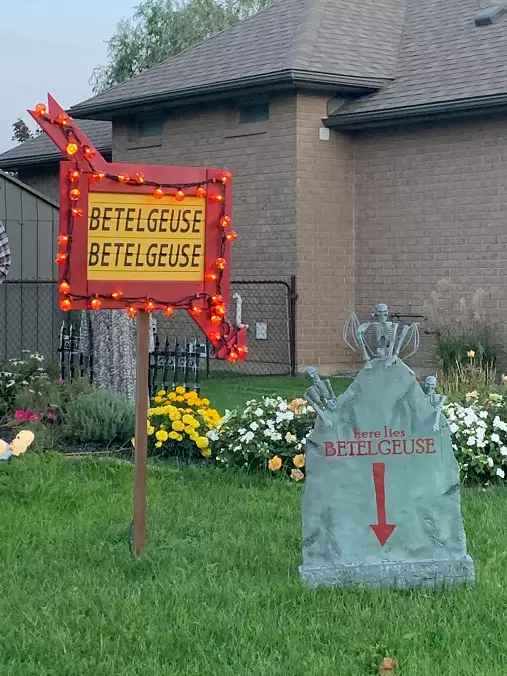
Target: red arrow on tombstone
{"type": "Point", "coordinates": [382, 530]}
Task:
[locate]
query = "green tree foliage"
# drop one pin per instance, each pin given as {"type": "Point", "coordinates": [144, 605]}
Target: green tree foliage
{"type": "Point", "coordinates": [160, 29]}
{"type": "Point", "coordinates": [21, 132]}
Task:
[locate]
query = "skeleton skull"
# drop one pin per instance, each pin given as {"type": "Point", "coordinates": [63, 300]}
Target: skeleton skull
{"type": "Point", "coordinates": [431, 384]}
{"type": "Point", "coordinates": [381, 312]}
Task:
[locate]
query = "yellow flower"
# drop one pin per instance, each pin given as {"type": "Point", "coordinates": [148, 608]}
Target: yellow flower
{"type": "Point", "coordinates": [161, 435]}
{"type": "Point", "coordinates": [133, 442]}
{"type": "Point", "coordinates": [151, 430]}
{"type": "Point", "coordinates": [194, 436]}
{"type": "Point", "coordinates": [299, 460]}
{"type": "Point", "coordinates": [161, 393]}
{"type": "Point", "coordinates": [275, 463]}
{"type": "Point", "coordinates": [171, 396]}
{"type": "Point", "coordinates": [180, 398]}
{"type": "Point", "coordinates": [189, 430]}
{"type": "Point", "coordinates": [158, 399]}
{"type": "Point", "coordinates": [173, 434]}
{"type": "Point", "coordinates": [297, 475]}
{"type": "Point", "coordinates": [158, 444]}
{"type": "Point", "coordinates": [180, 390]}
{"type": "Point", "coordinates": [178, 426]}
{"type": "Point", "coordinates": [471, 354]}
{"type": "Point", "coordinates": [205, 402]}
{"type": "Point", "coordinates": [195, 424]}
{"type": "Point", "coordinates": [206, 452]}
{"type": "Point", "coordinates": [179, 438]}
{"type": "Point", "coordinates": [202, 442]}
{"type": "Point", "coordinates": [188, 419]}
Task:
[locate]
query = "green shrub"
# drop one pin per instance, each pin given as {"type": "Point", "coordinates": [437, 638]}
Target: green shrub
{"type": "Point", "coordinates": [465, 378]}
{"type": "Point", "coordinates": [452, 346]}
{"type": "Point", "coordinates": [101, 417]}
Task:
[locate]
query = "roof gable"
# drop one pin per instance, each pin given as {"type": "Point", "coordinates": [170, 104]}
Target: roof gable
{"type": "Point", "coordinates": [331, 38]}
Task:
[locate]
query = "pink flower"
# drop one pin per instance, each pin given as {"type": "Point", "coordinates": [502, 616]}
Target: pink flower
{"type": "Point", "coordinates": [34, 417]}
{"type": "Point", "coordinates": [22, 415]}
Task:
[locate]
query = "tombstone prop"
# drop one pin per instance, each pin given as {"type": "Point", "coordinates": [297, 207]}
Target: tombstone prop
{"type": "Point", "coordinates": [381, 504]}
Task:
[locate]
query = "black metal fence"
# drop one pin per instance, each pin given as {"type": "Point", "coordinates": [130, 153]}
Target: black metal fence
{"type": "Point", "coordinates": [31, 320]}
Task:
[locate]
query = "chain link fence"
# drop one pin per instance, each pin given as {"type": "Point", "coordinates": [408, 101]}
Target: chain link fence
{"type": "Point", "coordinates": [30, 320]}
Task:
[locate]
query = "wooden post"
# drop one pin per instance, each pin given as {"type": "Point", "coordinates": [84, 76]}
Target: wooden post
{"type": "Point", "coordinates": [141, 449]}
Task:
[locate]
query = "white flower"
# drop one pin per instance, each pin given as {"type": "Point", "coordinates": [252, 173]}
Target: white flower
{"type": "Point", "coordinates": [454, 428]}
{"type": "Point", "coordinates": [242, 431]}
{"type": "Point", "coordinates": [483, 414]}
{"type": "Point", "coordinates": [283, 405]}
{"type": "Point", "coordinates": [490, 462]}
{"type": "Point", "coordinates": [500, 473]}
{"type": "Point", "coordinates": [499, 424]}
{"type": "Point", "coordinates": [290, 438]}
{"type": "Point", "coordinates": [495, 438]}
{"type": "Point", "coordinates": [471, 441]}
{"type": "Point", "coordinates": [213, 435]}
{"type": "Point", "coordinates": [503, 451]}
{"type": "Point", "coordinates": [254, 426]}
{"type": "Point", "coordinates": [258, 412]}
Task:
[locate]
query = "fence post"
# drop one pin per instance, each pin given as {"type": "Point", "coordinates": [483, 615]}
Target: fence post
{"type": "Point", "coordinates": [292, 325]}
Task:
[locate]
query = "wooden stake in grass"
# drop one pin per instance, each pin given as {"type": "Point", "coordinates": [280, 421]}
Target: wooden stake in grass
{"type": "Point", "coordinates": [141, 446]}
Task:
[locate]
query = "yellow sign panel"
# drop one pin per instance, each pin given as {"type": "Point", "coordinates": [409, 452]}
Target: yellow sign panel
{"type": "Point", "coordinates": [140, 238]}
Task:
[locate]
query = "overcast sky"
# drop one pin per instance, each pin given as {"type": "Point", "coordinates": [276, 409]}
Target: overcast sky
{"type": "Point", "coordinates": [51, 46]}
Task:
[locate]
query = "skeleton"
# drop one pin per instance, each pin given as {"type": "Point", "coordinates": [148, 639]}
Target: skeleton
{"type": "Point", "coordinates": [320, 395]}
{"type": "Point", "coordinates": [436, 400]}
{"type": "Point", "coordinates": [388, 345]}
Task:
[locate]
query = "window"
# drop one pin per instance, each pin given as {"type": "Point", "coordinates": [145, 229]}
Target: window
{"type": "Point", "coordinates": [150, 126]}
{"type": "Point", "coordinates": [257, 112]}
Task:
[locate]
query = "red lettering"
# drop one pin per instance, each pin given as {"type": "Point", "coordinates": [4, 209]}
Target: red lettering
{"type": "Point", "coordinates": [341, 447]}
{"type": "Point", "coordinates": [396, 433]}
{"type": "Point", "coordinates": [361, 445]}
{"type": "Point", "coordinates": [351, 446]}
{"type": "Point", "coordinates": [405, 448]}
{"type": "Point", "coordinates": [329, 448]}
{"type": "Point", "coordinates": [430, 443]}
{"type": "Point", "coordinates": [377, 433]}
{"type": "Point", "coordinates": [369, 449]}
{"type": "Point", "coordinates": [364, 435]}
{"type": "Point", "coordinates": [396, 444]}
{"type": "Point", "coordinates": [402, 433]}
{"type": "Point", "coordinates": [384, 441]}
{"type": "Point", "coordinates": [357, 433]}
{"type": "Point", "coordinates": [419, 446]}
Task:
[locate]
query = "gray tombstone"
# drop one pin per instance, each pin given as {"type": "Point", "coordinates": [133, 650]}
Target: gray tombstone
{"type": "Point", "coordinates": [381, 503]}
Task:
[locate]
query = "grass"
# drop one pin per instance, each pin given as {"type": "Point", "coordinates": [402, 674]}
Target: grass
{"type": "Point", "coordinates": [218, 593]}
{"type": "Point", "coordinates": [233, 392]}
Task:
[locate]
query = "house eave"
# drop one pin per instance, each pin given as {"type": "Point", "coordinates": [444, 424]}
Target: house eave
{"type": "Point", "coordinates": [290, 80]}
{"type": "Point", "coordinates": [40, 161]}
{"type": "Point", "coordinates": [430, 112]}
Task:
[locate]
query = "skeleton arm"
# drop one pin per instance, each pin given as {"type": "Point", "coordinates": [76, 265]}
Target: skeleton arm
{"type": "Point", "coordinates": [438, 412]}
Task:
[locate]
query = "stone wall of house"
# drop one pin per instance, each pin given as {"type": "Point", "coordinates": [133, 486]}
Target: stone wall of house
{"type": "Point", "coordinates": [325, 239]}
{"type": "Point", "coordinates": [431, 205]}
{"type": "Point", "coordinates": [44, 179]}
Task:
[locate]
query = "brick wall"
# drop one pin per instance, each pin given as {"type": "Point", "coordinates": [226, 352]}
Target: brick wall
{"type": "Point", "coordinates": [325, 242]}
{"type": "Point", "coordinates": [45, 180]}
{"type": "Point", "coordinates": [431, 204]}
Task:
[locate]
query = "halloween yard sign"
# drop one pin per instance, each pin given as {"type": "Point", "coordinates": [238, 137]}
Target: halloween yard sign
{"type": "Point", "coordinates": [141, 238]}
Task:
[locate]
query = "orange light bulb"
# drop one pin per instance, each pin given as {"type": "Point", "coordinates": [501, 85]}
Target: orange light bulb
{"type": "Point", "coordinates": [139, 178]}
{"type": "Point", "coordinates": [196, 311]}
{"type": "Point", "coordinates": [220, 309]}
{"type": "Point", "coordinates": [158, 193]}
{"type": "Point", "coordinates": [96, 304]}
{"type": "Point", "coordinates": [233, 356]}
{"type": "Point", "coordinates": [64, 287]}
{"type": "Point", "coordinates": [63, 240]}
{"type": "Point", "coordinates": [200, 192]}
{"type": "Point", "coordinates": [123, 178]}
{"type": "Point", "coordinates": [179, 196]}
{"type": "Point", "coordinates": [149, 306]}
{"type": "Point", "coordinates": [215, 319]}
{"type": "Point", "coordinates": [211, 277]}
{"type": "Point", "coordinates": [225, 221]}
{"type": "Point", "coordinates": [215, 336]}
{"type": "Point", "coordinates": [74, 194]}
{"type": "Point", "coordinates": [242, 349]}
{"type": "Point", "coordinates": [77, 212]}
{"type": "Point", "coordinates": [231, 236]}
{"type": "Point", "coordinates": [61, 257]}
{"type": "Point", "coordinates": [62, 120]}
{"type": "Point", "coordinates": [220, 263]}
{"type": "Point", "coordinates": [117, 295]}
{"type": "Point", "coordinates": [131, 311]}
{"type": "Point", "coordinates": [98, 176]}
{"type": "Point", "coordinates": [89, 152]}
{"type": "Point", "coordinates": [217, 298]}
{"type": "Point", "coordinates": [169, 311]}
{"type": "Point", "coordinates": [217, 197]}
{"type": "Point", "coordinates": [65, 305]}
{"type": "Point", "coordinates": [71, 148]}
{"type": "Point", "coordinates": [226, 176]}
{"type": "Point", "coordinates": [41, 109]}
{"type": "Point", "coordinates": [74, 175]}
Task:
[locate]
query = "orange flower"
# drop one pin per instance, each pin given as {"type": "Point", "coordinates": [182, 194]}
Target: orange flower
{"type": "Point", "coordinates": [275, 463]}
{"type": "Point", "coordinates": [297, 475]}
{"type": "Point", "coordinates": [299, 460]}
{"type": "Point", "coordinates": [471, 354]}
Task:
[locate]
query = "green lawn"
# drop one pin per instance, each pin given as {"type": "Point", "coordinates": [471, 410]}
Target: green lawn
{"type": "Point", "coordinates": [218, 594]}
{"type": "Point", "coordinates": [233, 392]}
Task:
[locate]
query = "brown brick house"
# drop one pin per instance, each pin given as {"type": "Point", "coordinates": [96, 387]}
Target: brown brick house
{"type": "Point", "coordinates": [368, 144]}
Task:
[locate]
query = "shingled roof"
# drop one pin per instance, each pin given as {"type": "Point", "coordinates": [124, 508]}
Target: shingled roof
{"type": "Point", "coordinates": [331, 43]}
{"type": "Point", "coordinates": [41, 150]}
{"type": "Point", "coordinates": [446, 63]}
